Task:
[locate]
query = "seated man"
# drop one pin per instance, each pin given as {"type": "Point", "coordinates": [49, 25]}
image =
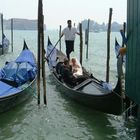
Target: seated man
{"type": "Point", "coordinates": [67, 74]}
{"type": "Point", "coordinates": [59, 67]}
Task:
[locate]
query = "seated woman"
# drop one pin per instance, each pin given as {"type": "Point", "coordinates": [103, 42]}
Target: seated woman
{"type": "Point", "coordinates": [77, 71]}
{"type": "Point", "coordinates": [76, 67]}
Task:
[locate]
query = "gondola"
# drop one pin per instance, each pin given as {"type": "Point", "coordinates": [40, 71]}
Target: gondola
{"type": "Point", "coordinates": [4, 47]}
{"type": "Point", "coordinates": [91, 92]}
{"type": "Point", "coordinates": [4, 50]}
{"type": "Point", "coordinates": [17, 80]}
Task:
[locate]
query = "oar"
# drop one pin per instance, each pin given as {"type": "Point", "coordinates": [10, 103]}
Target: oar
{"type": "Point", "coordinates": [54, 47]}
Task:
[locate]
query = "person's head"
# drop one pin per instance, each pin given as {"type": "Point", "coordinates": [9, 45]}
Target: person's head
{"type": "Point", "coordinates": [66, 61]}
{"type": "Point", "coordinates": [122, 51]}
{"type": "Point", "coordinates": [69, 22]}
{"type": "Point", "coordinates": [73, 60]}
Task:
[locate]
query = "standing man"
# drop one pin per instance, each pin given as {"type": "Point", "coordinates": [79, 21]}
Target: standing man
{"type": "Point", "coordinates": [69, 32]}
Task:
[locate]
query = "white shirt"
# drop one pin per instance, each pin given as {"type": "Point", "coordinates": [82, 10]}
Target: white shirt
{"type": "Point", "coordinates": [69, 33]}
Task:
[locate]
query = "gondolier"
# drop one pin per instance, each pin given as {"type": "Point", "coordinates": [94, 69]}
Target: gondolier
{"type": "Point", "coordinates": [69, 32]}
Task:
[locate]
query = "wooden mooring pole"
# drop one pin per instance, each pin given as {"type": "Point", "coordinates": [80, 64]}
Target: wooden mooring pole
{"type": "Point", "coordinates": [138, 125]}
{"type": "Point", "coordinates": [43, 64]}
{"type": "Point", "coordinates": [60, 31]}
{"type": "Point", "coordinates": [87, 38]}
{"type": "Point", "coordinates": [108, 45]}
{"type": "Point", "coordinates": [2, 32]}
{"type": "Point", "coordinates": [38, 55]}
{"type": "Point", "coordinates": [81, 43]}
{"type": "Point", "coordinates": [12, 35]}
{"type": "Point", "coordinates": [41, 53]}
{"type": "Point", "coordinates": [124, 30]}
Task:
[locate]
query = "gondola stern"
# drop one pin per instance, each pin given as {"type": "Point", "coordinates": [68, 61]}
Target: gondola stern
{"type": "Point", "coordinates": [49, 42]}
{"type": "Point", "coordinates": [25, 45]}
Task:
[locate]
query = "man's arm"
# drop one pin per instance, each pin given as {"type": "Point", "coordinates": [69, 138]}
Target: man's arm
{"type": "Point", "coordinates": [62, 34]}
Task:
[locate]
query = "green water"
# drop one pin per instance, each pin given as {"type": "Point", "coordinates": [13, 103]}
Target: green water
{"type": "Point", "coordinates": [63, 119]}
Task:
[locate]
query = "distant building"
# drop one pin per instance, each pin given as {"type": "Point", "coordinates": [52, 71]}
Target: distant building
{"type": "Point", "coordinates": [96, 27]}
{"type": "Point", "coordinates": [21, 24]}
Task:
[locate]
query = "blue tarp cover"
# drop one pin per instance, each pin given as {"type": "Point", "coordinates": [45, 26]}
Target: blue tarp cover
{"type": "Point", "coordinates": [26, 56]}
{"type": "Point", "coordinates": [21, 70]}
{"type": "Point", "coordinates": [6, 89]}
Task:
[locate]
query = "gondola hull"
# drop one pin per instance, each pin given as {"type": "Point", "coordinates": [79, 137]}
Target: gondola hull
{"type": "Point", "coordinates": [7, 103]}
{"type": "Point", "coordinates": [110, 103]}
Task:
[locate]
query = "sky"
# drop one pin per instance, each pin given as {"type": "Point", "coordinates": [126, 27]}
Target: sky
{"type": "Point", "coordinates": [57, 12]}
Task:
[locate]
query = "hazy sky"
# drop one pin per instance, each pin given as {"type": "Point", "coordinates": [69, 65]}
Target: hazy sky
{"type": "Point", "coordinates": [56, 12]}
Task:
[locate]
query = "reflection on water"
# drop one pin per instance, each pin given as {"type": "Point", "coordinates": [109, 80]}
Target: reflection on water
{"type": "Point", "coordinates": [63, 119]}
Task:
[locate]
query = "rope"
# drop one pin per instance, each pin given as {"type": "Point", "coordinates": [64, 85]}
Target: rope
{"type": "Point", "coordinates": [116, 93]}
{"type": "Point", "coordinates": [130, 107]}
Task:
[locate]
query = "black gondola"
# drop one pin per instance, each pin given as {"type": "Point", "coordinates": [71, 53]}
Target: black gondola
{"type": "Point", "coordinates": [91, 91]}
{"type": "Point", "coordinates": [4, 47]}
{"type": "Point", "coordinates": [4, 50]}
{"type": "Point", "coordinates": [12, 91]}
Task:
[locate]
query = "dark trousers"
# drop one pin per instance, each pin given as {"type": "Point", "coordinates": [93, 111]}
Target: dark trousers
{"type": "Point", "coordinates": [69, 47]}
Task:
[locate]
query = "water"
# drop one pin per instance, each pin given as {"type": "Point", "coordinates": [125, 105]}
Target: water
{"type": "Point", "coordinates": [63, 119]}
